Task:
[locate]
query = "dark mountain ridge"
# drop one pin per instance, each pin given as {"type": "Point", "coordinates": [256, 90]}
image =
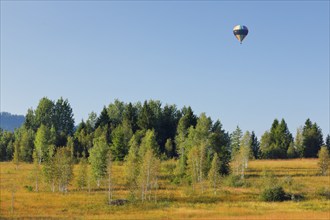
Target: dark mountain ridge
{"type": "Point", "coordinates": [9, 121]}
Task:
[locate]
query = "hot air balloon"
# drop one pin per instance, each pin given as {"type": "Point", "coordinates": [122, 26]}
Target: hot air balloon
{"type": "Point", "coordinates": [240, 32]}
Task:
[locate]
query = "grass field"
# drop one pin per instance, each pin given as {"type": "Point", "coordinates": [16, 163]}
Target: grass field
{"type": "Point", "coordinates": [173, 202]}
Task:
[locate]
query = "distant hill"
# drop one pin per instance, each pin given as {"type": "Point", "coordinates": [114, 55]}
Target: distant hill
{"type": "Point", "coordinates": [9, 122]}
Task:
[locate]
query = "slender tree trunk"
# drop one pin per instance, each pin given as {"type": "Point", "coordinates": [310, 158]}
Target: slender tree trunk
{"type": "Point", "coordinates": [12, 200]}
{"type": "Point", "coordinates": [37, 173]}
{"type": "Point", "coordinates": [148, 179]}
{"type": "Point", "coordinates": [109, 191]}
{"type": "Point", "coordinates": [53, 185]}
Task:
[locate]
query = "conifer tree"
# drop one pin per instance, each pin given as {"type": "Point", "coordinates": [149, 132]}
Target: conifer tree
{"type": "Point", "coordinates": [312, 139]}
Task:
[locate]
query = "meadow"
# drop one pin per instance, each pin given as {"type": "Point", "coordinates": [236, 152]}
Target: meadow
{"type": "Point", "coordinates": [297, 176]}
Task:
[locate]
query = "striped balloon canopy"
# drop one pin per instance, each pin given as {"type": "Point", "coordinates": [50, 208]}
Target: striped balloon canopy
{"type": "Point", "coordinates": [240, 32]}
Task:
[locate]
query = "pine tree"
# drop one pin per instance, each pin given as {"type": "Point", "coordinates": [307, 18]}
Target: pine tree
{"type": "Point", "coordinates": [312, 139]}
{"type": "Point", "coordinates": [327, 142]}
{"type": "Point", "coordinates": [121, 136]}
{"type": "Point", "coordinates": [255, 146]}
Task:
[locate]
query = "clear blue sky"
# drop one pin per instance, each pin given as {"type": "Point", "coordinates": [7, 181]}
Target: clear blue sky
{"type": "Point", "coordinates": [181, 53]}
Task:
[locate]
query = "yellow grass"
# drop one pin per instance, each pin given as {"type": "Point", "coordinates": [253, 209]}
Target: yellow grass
{"type": "Point", "coordinates": [174, 202]}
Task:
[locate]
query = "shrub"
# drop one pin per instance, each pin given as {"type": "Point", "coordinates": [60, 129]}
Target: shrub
{"type": "Point", "coordinates": [324, 192]}
{"type": "Point", "coordinates": [273, 194]}
{"type": "Point", "coordinates": [29, 188]}
{"type": "Point", "coordinates": [234, 181]}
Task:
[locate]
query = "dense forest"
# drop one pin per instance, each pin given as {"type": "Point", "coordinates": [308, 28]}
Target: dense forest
{"type": "Point", "coordinates": [173, 131]}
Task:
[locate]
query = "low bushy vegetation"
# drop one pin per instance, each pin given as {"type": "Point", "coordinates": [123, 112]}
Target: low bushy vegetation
{"type": "Point", "coordinates": [273, 194]}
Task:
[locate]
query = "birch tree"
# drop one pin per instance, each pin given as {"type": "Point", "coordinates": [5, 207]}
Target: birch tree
{"type": "Point", "coordinates": [64, 168]}
{"type": "Point", "coordinates": [148, 176]}
{"type": "Point", "coordinates": [214, 173]}
{"type": "Point", "coordinates": [323, 160]}
{"type": "Point", "coordinates": [131, 166]}
{"type": "Point", "coordinates": [98, 158]}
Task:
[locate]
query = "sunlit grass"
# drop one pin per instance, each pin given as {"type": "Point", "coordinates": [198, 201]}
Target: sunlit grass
{"type": "Point", "coordinates": [173, 202]}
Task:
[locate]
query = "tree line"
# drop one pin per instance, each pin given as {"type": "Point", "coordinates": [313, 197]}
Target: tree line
{"type": "Point", "coordinates": [51, 125]}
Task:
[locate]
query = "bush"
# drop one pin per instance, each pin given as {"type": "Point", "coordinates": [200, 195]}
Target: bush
{"type": "Point", "coordinates": [234, 181]}
{"type": "Point", "coordinates": [324, 192]}
{"type": "Point", "coordinates": [29, 188]}
{"type": "Point", "coordinates": [273, 194]}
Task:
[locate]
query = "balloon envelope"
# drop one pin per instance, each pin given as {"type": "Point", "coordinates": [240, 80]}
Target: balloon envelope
{"type": "Point", "coordinates": [240, 32]}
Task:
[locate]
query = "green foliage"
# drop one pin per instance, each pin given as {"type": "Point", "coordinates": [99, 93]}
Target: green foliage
{"type": "Point", "coordinates": [16, 154]}
{"type": "Point", "coordinates": [273, 194]}
{"type": "Point", "coordinates": [82, 176]}
{"type": "Point", "coordinates": [312, 139]}
{"type": "Point", "coordinates": [121, 136]}
{"type": "Point", "coordinates": [44, 114]}
{"type": "Point", "coordinates": [169, 148]}
{"type": "Point", "coordinates": [214, 173]}
{"type": "Point", "coordinates": [103, 119]}
{"type": "Point", "coordinates": [63, 118]}
{"type": "Point", "coordinates": [98, 156]}
{"type": "Point", "coordinates": [28, 188]}
{"type": "Point", "coordinates": [50, 171]}
{"type": "Point", "coordinates": [255, 146]}
{"type": "Point", "coordinates": [148, 175]}
{"type": "Point", "coordinates": [275, 144]}
{"type": "Point", "coordinates": [298, 143]}
{"type": "Point", "coordinates": [234, 181]}
{"type": "Point", "coordinates": [327, 142]}
{"type": "Point", "coordinates": [220, 143]}
{"type": "Point", "coordinates": [324, 160]}
{"type": "Point", "coordinates": [235, 139]}
{"type": "Point", "coordinates": [149, 142]}
{"type": "Point", "coordinates": [132, 161]}
{"type": "Point", "coordinates": [272, 191]}
{"type": "Point", "coordinates": [42, 142]}
{"type": "Point", "coordinates": [6, 145]}
{"type": "Point", "coordinates": [324, 192]}
{"type": "Point", "coordinates": [64, 168]}
{"type": "Point", "coordinates": [26, 144]}
{"type": "Point", "coordinates": [115, 113]}
{"type": "Point", "coordinates": [291, 153]}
